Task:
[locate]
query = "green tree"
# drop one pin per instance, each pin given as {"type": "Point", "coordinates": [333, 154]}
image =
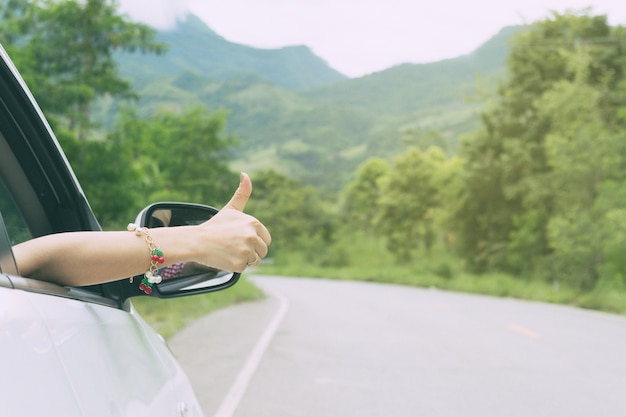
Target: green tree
{"type": "Point", "coordinates": [295, 215]}
{"type": "Point", "coordinates": [66, 53]}
{"type": "Point", "coordinates": [507, 206]}
{"type": "Point", "coordinates": [109, 176]}
{"type": "Point", "coordinates": [182, 156]}
{"type": "Point", "coordinates": [611, 202]}
{"type": "Point", "coordinates": [361, 197]}
{"type": "Point", "coordinates": [15, 21]}
{"type": "Point", "coordinates": [587, 156]}
{"type": "Point", "coordinates": [408, 202]}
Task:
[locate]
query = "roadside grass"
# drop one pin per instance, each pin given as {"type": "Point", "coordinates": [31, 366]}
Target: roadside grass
{"type": "Point", "coordinates": [365, 259]}
{"type": "Point", "coordinates": [168, 316]}
{"type": "Point", "coordinates": [493, 284]}
{"type": "Point", "coordinates": [608, 300]}
{"type": "Point", "coordinates": [361, 258]}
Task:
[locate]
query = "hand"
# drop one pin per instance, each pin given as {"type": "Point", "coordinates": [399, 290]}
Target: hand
{"type": "Point", "coordinates": [234, 240]}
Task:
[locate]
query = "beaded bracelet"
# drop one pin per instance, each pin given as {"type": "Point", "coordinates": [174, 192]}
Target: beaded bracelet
{"type": "Point", "coordinates": [156, 257]}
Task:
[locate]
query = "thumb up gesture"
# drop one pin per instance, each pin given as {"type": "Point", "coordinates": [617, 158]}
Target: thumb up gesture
{"type": "Point", "coordinates": [233, 240]}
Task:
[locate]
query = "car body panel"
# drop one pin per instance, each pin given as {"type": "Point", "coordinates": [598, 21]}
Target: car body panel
{"type": "Point", "coordinates": [25, 344]}
{"type": "Point", "coordinates": [77, 358]}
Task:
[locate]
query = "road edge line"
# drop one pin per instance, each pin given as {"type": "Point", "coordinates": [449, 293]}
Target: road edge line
{"type": "Point", "coordinates": [240, 385]}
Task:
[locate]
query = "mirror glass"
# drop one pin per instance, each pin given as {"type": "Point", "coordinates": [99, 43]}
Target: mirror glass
{"type": "Point", "coordinates": [189, 277]}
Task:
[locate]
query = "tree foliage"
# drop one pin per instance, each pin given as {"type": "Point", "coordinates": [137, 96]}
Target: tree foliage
{"type": "Point", "coordinates": [539, 189]}
{"type": "Point", "coordinates": [295, 214]}
{"type": "Point", "coordinates": [361, 198]}
{"type": "Point", "coordinates": [66, 49]}
{"type": "Point", "coordinates": [536, 169]}
{"type": "Point", "coordinates": [408, 202]}
{"type": "Point", "coordinates": [184, 156]}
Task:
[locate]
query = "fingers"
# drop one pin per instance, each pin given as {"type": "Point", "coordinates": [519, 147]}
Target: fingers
{"type": "Point", "coordinates": [242, 194]}
{"type": "Point", "coordinates": [257, 238]}
{"type": "Point", "coordinates": [257, 255]}
{"type": "Point", "coordinates": [265, 239]}
{"type": "Point", "coordinates": [264, 234]}
{"type": "Point", "coordinates": [260, 248]}
{"type": "Point", "coordinates": [255, 262]}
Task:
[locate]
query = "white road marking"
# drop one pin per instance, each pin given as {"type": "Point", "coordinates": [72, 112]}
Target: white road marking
{"type": "Point", "coordinates": [240, 385]}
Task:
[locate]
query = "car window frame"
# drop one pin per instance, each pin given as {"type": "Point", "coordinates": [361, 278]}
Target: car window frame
{"type": "Point", "coordinates": [42, 183]}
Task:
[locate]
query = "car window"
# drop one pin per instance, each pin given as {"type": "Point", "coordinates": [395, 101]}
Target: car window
{"type": "Point", "coordinates": [15, 225]}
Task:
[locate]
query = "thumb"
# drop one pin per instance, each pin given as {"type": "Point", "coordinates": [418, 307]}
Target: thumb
{"type": "Point", "coordinates": [242, 194]}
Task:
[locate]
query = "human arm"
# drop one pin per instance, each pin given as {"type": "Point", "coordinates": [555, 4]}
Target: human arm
{"type": "Point", "coordinates": [231, 240]}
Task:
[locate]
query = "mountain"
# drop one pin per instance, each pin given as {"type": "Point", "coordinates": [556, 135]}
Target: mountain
{"type": "Point", "coordinates": [294, 113]}
{"type": "Point", "coordinates": [194, 47]}
{"type": "Point", "coordinates": [418, 85]}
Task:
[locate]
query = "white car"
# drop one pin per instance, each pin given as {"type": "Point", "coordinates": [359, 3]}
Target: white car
{"type": "Point", "coordinates": [76, 351]}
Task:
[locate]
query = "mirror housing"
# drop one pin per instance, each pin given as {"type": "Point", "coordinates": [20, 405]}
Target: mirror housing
{"type": "Point", "coordinates": [190, 278]}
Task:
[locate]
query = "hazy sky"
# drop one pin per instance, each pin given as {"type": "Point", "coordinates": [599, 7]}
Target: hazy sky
{"type": "Point", "coordinates": [357, 37]}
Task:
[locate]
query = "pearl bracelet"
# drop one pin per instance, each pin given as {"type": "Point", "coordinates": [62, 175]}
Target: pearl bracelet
{"type": "Point", "coordinates": [151, 276]}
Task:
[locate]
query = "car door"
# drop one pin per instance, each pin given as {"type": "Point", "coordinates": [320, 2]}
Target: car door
{"type": "Point", "coordinates": [67, 351]}
{"type": "Point", "coordinates": [65, 357]}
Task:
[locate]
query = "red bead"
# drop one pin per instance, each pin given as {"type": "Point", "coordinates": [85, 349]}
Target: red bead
{"type": "Point", "coordinates": [161, 260]}
{"type": "Point", "coordinates": [148, 290]}
{"type": "Point", "coordinates": [155, 257]}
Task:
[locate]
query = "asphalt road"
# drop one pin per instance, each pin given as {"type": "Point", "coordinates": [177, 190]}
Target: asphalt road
{"type": "Point", "coordinates": [319, 348]}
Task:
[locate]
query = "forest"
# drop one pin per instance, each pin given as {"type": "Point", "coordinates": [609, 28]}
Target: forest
{"type": "Point", "coordinates": [531, 204]}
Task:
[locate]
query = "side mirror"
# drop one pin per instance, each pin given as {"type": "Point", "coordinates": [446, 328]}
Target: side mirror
{"type": "Point", "coordinates": [190, 278]}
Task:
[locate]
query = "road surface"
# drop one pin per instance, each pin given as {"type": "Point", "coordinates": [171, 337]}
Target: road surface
{"type": "Point", "coordinates": [320, 348]}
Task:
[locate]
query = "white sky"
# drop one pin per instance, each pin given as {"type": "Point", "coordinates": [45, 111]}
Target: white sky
{"type": "Point", "coordinates": [357, 37]}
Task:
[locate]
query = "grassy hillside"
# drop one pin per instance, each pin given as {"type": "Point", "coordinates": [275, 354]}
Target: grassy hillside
{"type": "Point", "coordinates": [292, 112]}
